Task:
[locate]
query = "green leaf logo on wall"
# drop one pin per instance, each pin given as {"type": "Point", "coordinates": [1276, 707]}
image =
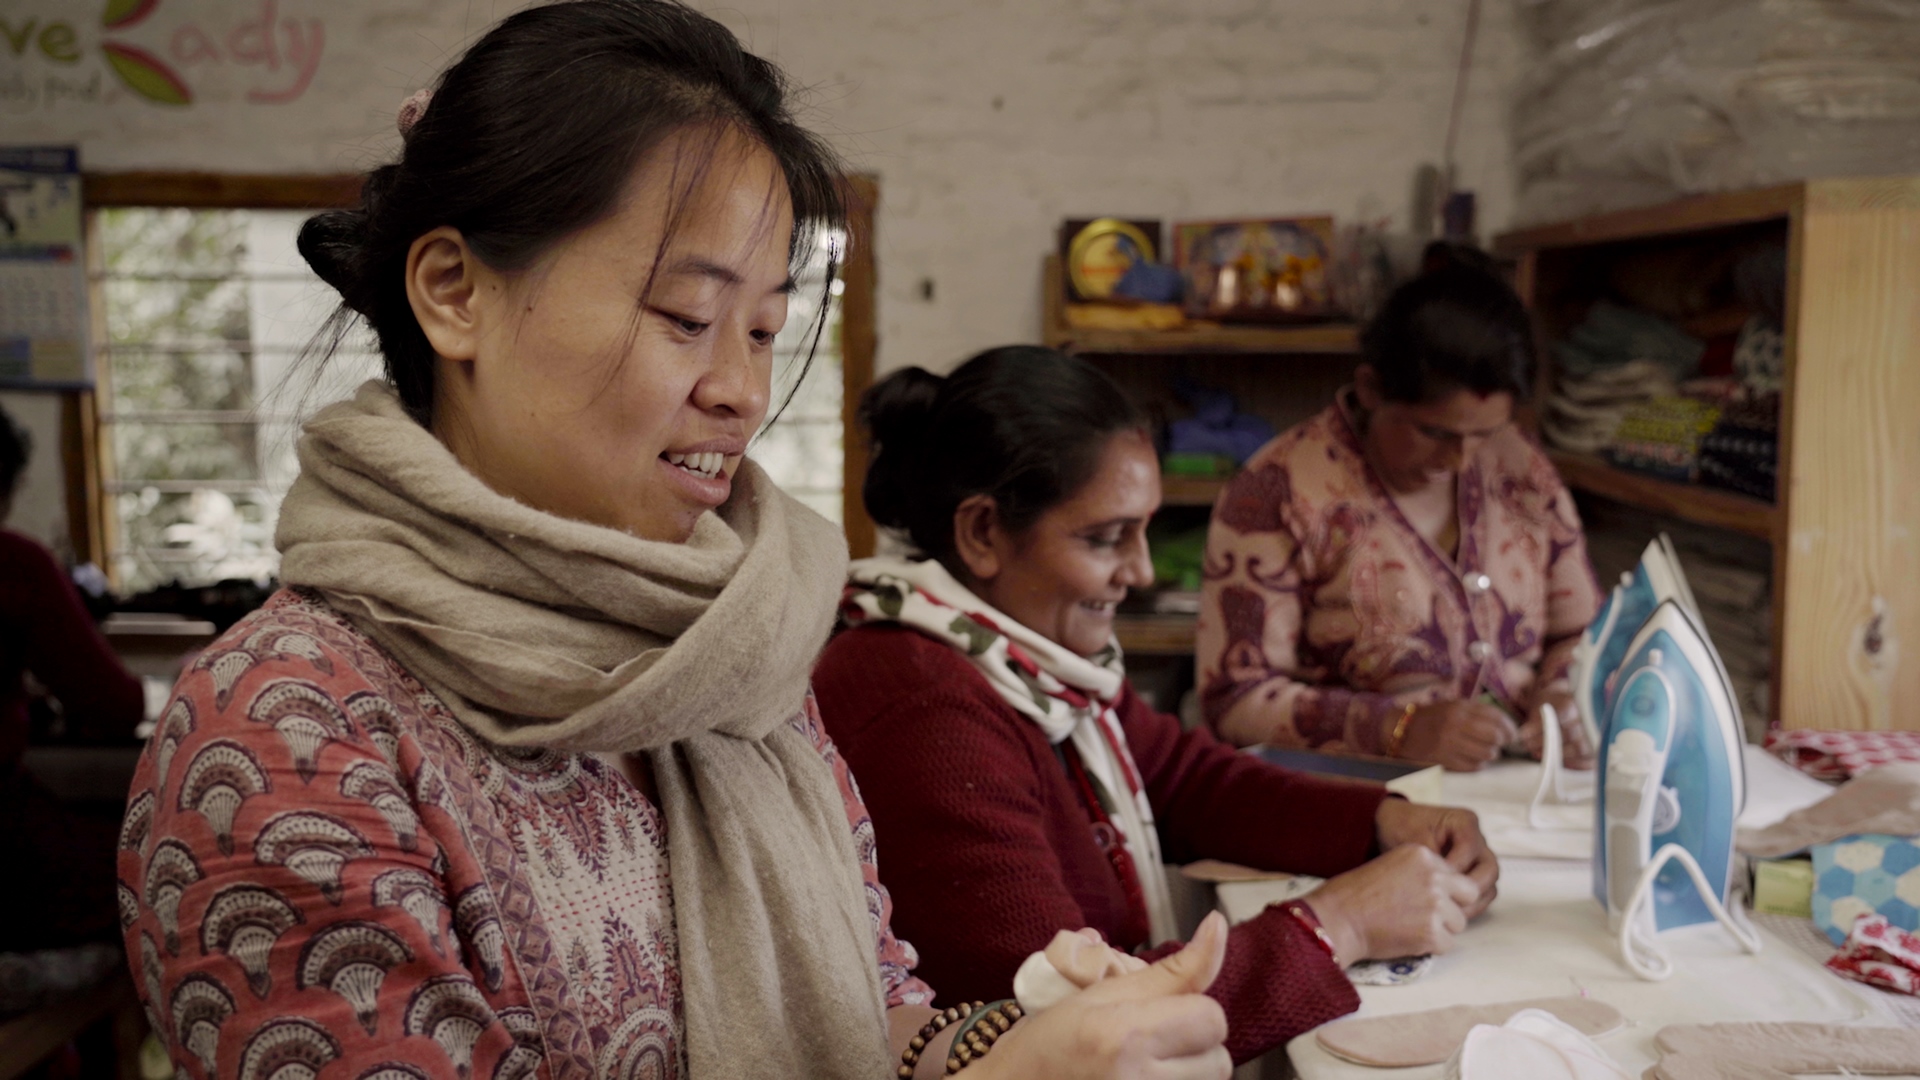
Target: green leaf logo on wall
{"type": "Point", "coordinates": [143, 73]}
{"type": "Point", "coordinates": [124, 13]}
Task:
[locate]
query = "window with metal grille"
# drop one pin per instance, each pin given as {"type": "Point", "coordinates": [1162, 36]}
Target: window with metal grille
{"type": "Point", "coordinates": [202, 319]}
{"type": "Point", "coordinates": [803, 451]}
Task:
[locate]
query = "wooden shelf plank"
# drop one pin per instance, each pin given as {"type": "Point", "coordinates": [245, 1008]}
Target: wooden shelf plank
{"type": "Point", "coordinates": [1690, 214]}
{"type": "Point", "coordinates": [1326, 339]}
{"type": "Point", "coordinates": [1317, 338]}
{"type": "Point", "coordinates": [1156, 635]}
{"type": "Point", "coordinates": [1689, 502]}
{"type": "Point", "coordinates": [310, 191]}
{"type": "Point", "coordinates": [1190, 490]}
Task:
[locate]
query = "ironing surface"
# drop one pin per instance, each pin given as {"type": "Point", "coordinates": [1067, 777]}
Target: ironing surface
{"type": "Point", "coordinates": [1427, 1038]}
{"type": "Point", "coordinates": [1544, 937]}
{"type": "Point", "coordinates": [1671, 785]}
{"type": "Point", "coordinates": [1499, 796]}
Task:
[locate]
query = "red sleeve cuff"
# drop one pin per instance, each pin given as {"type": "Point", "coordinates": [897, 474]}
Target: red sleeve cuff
{"type": "Point", "coordinates": [1277, 982]}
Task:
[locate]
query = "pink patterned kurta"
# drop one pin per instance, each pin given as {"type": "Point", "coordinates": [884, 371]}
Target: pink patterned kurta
{"type": "Point", "coordinates": [322, 869]}
{"type": "Point", "coordinates": [1325, 612]}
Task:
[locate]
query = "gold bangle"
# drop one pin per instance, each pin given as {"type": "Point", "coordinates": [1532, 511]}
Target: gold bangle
{"type": "Point", "coordinates": [1400, 730]}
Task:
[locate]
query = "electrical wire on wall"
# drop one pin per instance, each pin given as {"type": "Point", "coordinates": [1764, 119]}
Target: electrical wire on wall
{"type": "Point", "coordinates": [1457, 207]}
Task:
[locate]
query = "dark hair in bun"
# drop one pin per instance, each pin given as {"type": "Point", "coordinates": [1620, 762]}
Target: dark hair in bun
{"type": "Point", "coordinates": [1023, 424]}
{"type": "Point", "coordinates": [533, 135]}
{"type": "Point", "coordinates": [1458, 326]}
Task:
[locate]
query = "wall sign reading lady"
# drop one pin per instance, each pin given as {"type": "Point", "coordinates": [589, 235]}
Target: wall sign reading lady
{"type": "Point", "coordinates": [521, 775]}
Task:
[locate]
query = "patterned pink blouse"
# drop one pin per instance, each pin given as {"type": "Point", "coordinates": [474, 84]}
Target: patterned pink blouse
{"type": "Point", "coordinates": [321, 869]}
{"type": "Point", "coordinates": [1325, 612]}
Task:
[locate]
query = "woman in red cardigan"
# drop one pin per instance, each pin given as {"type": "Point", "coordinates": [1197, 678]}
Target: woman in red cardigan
{"type": "Point", "coordinates": [1019, 786]}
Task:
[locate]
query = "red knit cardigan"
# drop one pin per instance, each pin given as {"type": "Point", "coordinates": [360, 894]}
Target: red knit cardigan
{"type": "Point", "coordinates": [988, 848]}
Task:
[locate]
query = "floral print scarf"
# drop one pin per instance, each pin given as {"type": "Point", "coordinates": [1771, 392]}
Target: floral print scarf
{"type": "Point", "coordinates": [1071, 698]}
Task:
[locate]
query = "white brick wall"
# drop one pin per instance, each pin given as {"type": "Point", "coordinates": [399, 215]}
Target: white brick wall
{"type": "Point", "coordinates": [988, 121]}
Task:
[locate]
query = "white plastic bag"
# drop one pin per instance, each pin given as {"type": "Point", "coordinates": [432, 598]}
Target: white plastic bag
{"type": "Point", "coordinates": [1533, 1044]}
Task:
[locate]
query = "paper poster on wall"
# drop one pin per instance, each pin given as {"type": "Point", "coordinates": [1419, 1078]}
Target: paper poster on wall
{"type": "Point", "coordinates": [43, 281]}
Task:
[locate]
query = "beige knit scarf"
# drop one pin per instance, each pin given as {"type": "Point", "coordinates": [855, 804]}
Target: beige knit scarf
{"type": "Point", "coordinates": [539, 631]}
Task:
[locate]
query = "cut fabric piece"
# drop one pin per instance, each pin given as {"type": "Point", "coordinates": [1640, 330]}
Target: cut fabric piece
{"type": "Point", "coordinates": [1867, 874]}
{"type": "Point", "coordinates": [1781, 1050]}
{"type": "Point", "coordinates": [1881, 954]}
{"type": "Point", "coordinates": [1838, 755]}
{"type": "Point", "coordinates": [1885, 800]}
{"type": "Point", "coordinates": [1534, 1044]}
{"type": "Point", "coordinates": [1428, 1038]}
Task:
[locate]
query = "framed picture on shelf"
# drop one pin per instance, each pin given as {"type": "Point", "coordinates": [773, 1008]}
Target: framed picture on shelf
{"type": "Point", "coordinates": [1096, 253]}
{"type": "Point", "coordinates": [1264, 270]}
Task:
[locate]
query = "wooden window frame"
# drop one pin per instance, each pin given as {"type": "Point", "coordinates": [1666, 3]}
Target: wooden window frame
{"type": "Point", "coordinates": [87, 465]}
{"type": "Point", "coordinates": [859, 343]}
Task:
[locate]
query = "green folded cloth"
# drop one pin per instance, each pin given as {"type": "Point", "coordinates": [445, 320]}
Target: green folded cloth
{"type": "Point", "coordinates": [1185, 464]}
{"type": "Point", "coordinates": [1783, 887]}
{"type": "Point", "coordinates": [1178, 557]}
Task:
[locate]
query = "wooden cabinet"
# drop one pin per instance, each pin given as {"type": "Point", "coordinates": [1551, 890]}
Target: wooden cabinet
{"type": "Point", "coordinates": [1845, 524]}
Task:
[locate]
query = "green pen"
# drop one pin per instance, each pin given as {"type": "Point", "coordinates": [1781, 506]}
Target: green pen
{"type": "Point", "coordinates": [1487, 698]}
{"type": "Point", "coordinates": [1518, 747]}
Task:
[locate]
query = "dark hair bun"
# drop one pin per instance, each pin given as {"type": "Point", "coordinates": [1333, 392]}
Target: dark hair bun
{"type": "Point", "coordinates": [1442, 256]}
{"type": "Point", "coordinates": [1457, 326]}
{"type": "Point", "coordinates": [335, 245]}
{"type": "Point", "coordinates": [897, 411]}
{"type": "Point", "coordinates": [1023, 424]}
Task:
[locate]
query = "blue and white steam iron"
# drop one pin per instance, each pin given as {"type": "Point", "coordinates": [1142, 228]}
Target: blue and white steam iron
{"type": "Point", "coordinates": [1603, 649]}
{"type": "Point", "coordinates": [1673, 783]}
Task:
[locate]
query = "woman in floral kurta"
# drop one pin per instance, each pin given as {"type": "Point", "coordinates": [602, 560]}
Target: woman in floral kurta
{"type": "Point", "coordinates": [1404, 573]}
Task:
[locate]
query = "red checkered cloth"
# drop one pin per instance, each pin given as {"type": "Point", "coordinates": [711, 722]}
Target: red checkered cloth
{"type": "Point", "coordinates": [1881, 954]}
{"type": "Point", "coordinates": [1842, 755]}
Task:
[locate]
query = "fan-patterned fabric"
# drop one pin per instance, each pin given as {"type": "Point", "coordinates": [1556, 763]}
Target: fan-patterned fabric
{"type": "Point", "coordinates": [323, 875]}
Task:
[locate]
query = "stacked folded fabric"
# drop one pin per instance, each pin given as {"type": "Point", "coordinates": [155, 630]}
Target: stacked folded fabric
{"type": "Point", "coordinates": [1742, 451]}
{"type": "Point", "coordinates": [1662, 437]}
{"type": "Point", "coordinates": [1616, 360]}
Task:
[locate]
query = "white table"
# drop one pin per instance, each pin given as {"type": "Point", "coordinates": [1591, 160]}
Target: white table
{"type": "Point", "coordinates": [1546, 936]}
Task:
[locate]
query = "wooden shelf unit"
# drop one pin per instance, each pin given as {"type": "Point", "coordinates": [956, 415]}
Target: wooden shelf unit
{"type": "Point", "coordinates": [1688, 502]}
{"type": "Point", "coordinates": [1210, 339]}
{"type": "Point", "coordinates": [1190, 490]}
{"type": "Point", "coordinates": [1201, 338]}
{"type": "Point", "coordinates": [1155, 635]}
{"type": "Point", "coordinates": [1845, 530]}
{"type": "Point", "coordinates": [1283, 374]}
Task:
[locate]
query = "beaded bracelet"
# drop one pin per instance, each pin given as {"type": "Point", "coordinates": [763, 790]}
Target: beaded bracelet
{"type": "Point", "coordinates": [1400, 730]}
{"type": "Point", "coordinates": [981, 1031]}
{"type": "Point", "coordinates": [910, 1057]}
{"type": "Point", "coordinates": [1305, 916]}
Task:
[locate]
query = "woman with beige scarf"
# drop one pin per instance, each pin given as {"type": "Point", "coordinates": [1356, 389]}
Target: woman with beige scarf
{"type": "Point", "coordinates": [521, 776]}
